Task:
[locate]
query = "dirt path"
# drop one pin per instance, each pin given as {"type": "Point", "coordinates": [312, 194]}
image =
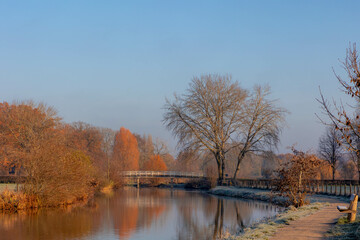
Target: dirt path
{"type": "Point", "coordinates": [311, 227]}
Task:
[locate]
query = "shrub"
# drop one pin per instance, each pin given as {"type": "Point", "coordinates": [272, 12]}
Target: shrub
{"type": "Point", "coordinates": [294, 177]}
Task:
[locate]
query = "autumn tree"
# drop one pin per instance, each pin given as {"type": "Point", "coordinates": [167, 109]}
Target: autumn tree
{"type": "Point", "coordinates": [330, 149]}
{"type": "Point", "coordinates": [33, 141]}
{"type": "Point", "coordinates": [155, 163]}
{"type": "Point", "coordinates": [294, 177]}
{"type": "Point", "coordinates": [207, 115]}
{"type": "Point", "coordinates": [22, 127]}
{"type": "Point", "coordinates": [126, 153]}
{"type": "Point", "coordinates": [345, 121]}
{"type": "Point", "coordinates": [260, 125]}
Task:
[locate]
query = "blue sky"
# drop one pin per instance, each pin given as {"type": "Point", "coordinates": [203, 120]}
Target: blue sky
{"type": "Point", "coordinates": [112, 63]}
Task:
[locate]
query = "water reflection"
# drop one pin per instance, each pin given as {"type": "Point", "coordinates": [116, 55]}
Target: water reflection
{"type": "Point", "coordinates": [139, 214]}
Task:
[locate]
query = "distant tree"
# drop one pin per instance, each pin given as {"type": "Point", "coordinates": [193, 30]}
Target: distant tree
{"type": "Point", "coordinates": [294, 177]}
{"type": "Point", "coordinates": [146, 148]}
{"type": "Point", "coordinates": [340, 117]}
{"type": "Point", "coordinates": [330, 148]}
{"type": "Point", "coordinates": [207, 115]}
{"type": "Point", "coordinates": [87, 138]}
{"type": "Point", "coordinates": [161, 149]}
{"type": "Point", "coordinates": [108, 141]}
{"type": "Point", "coordinates": [348, 167]}
{"type": "Point", "coordinates": [260, 125]}
{"type": "Point", "coordinates": [269, 164]}
{"type": "Point", "coordinates": [188, 160]}
{"type": "Point", "coordinates": [155, 163]}
{"type": "Point", "coordinates": [126, 153]}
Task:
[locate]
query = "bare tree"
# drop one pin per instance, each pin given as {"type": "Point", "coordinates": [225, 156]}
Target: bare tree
{"type": "Point", "coordinates": [207, 115]}
{"type": "Point", "coordinates": [347, 124]}
{"type": "Point", "coordinates": [108, 140]}
{"type": "Point", "coordinates": [329, 148]}
{"type": "Point", "coordinates": [260, 126]}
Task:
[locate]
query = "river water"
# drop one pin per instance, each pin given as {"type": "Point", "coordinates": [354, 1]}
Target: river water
{"type": "Point", "coordinates": [148, 214]}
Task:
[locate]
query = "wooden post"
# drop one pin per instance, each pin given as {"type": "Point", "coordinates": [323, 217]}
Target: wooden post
{"type": "Point", "coordinates": [326, 187]}
{"type": "Point", "coordinates": [138, 182]}
{"type": "Point", "coordinates": [350, 189]}
{"type": "Point", "coordinates": [335, 188]}
{"type": "Point", "coordinates": [172, 182]}
{"type": "Point", "coordinates": [317, 187]}
{"type": "Point", "coordinates": [345, 188]}
{"type": "Point", "coordinates": [340, 187]}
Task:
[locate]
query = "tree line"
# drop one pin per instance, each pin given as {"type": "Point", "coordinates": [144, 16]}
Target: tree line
{"type": "Point", "coordinates": [63, 163]}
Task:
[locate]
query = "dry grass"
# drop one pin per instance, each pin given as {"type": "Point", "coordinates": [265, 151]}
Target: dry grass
{"type": "Point", "coordinates": [11, 201]}
{"type": "Point", "coordinates": [265, 230]}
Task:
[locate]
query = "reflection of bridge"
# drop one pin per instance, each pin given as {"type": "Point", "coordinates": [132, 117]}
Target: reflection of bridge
{"type": "Point", "coordinates": [160, 174]}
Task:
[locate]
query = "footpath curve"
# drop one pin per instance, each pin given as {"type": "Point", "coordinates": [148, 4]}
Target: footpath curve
{"type": "Point", "coordinates": [314, 226]}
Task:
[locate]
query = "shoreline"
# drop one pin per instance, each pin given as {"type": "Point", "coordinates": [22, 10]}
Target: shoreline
{"type": "Point", "coordinates": [266, 228]}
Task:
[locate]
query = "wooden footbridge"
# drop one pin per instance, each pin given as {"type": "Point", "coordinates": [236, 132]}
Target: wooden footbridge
{"type": "Point", "coordinates": [137, 175]}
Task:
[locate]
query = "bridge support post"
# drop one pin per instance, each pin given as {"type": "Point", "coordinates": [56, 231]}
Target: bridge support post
{"type": "Point", "coordinates": [172, 182]}
{"type": "Point", "coordinates": [137, 182]}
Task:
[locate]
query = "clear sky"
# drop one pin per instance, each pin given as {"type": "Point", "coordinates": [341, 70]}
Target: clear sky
{"type": "Point", "coordinates": [112, 63]}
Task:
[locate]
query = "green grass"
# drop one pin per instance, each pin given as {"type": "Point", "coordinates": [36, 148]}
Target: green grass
{"type": "Point", "coordinates": [10, 186]}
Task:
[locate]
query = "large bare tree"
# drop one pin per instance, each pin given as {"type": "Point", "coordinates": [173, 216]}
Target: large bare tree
{"type": "Point", "coordinates": [207, 115]}
{"type": "Point", "coordinates": [345, 120]}
{"type": "Point", "coordinates": [329, 148]}
{"type": "Point", "coordinates": [260, 126]}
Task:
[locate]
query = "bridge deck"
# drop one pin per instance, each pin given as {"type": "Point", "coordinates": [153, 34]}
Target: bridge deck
{"type": "Point", "coordinates": [161, 174]}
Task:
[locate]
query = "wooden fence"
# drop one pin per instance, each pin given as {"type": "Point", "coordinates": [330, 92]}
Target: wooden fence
{"type": "Point", "coordinates": [329, 187]}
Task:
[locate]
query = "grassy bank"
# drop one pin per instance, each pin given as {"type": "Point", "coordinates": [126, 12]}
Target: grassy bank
{"type": "Point", "coordinates": [247, 193]}
{"type": "Point", "coordinates": [265, 229]}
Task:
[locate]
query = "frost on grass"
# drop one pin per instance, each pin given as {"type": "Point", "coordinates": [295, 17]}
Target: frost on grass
{"type": "Point", "coordinates": [345, 230]}
{"type": "Point", "coordinates": [265, 230]}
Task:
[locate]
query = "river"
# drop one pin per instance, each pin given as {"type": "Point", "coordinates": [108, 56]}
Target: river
{"type": "Point", "coordinates": [148, 213]}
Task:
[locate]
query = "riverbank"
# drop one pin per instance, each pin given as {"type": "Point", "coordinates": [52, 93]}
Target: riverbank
{"type": "Point", "coordinates": [318, 217]}
{"type": "Point", "coordinates": [249, 193]}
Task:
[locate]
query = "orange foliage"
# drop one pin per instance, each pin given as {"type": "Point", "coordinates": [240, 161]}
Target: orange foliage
{"type": "Point", "coordinates": [155, 163]}
{"type": "Point", "coordinates": [126, 152]}
{"type": "Point", "coordinates": [22, 128]}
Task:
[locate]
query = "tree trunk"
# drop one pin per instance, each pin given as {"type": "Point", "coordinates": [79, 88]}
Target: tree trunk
{"type": "Point", "coordinates": [240, 158]}
{"type": "Point", "coordinates": [333, 172]}
{"type": "Point", "coordinates": [221, 166]}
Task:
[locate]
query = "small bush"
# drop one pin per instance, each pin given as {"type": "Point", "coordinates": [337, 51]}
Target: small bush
{"type": "Point", "coordinates": [294, 177]}
{"type": "Point", "coordinates": [11, 201]}
{"type": "Point", "coordinates": [199, 184]}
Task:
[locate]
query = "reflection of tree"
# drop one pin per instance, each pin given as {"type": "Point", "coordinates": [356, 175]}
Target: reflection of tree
{"type": "Point", "coordinates": [136, 209]}
{"type": "Point", "coordinates": [238, 217]}
{"type": "Point", "coordinates": [54, 224]}
{"type": "Point", "coordinates": [125, 219]}
{"type": "Point", "coordinates": [219, 217]}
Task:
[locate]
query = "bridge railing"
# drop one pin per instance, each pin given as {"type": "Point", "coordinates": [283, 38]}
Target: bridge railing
{"type": "Point", "coordinates": [160, 174]}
